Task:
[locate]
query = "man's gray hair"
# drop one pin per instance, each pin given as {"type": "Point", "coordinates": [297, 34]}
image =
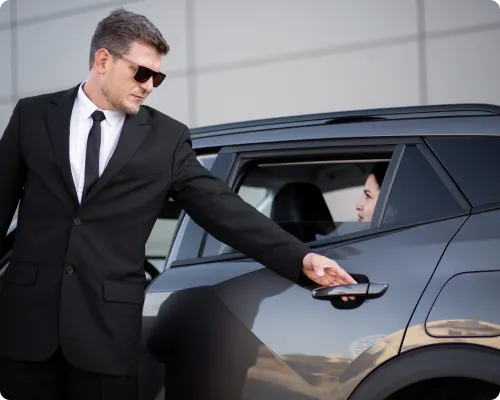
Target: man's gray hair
{"type": "Point", "coordinates": [120, 28]}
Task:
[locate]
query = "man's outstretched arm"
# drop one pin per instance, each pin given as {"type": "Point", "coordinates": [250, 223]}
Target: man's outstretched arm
{"type": "Point", "coordinates": [221, 212]}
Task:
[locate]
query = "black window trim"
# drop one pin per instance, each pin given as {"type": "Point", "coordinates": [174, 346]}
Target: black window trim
{"type": "Point", "coordinates": [386, 188]}
{"type": "Point", "coordinates": [174, 242]}
{"type": "Point", "coordinates": [319, 143]}
{"type": "Point", "coordinates": [244, 153]}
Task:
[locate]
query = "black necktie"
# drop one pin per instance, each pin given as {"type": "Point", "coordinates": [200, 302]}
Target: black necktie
{"type": "Point", "coordinates": [93, 149]}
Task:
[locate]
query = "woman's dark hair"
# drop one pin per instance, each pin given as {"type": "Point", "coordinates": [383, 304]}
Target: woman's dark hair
{"type": "Point", "coordinates": [379, 170]}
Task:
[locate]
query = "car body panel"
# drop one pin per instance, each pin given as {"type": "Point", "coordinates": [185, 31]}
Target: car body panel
{"type": "Point", "coordinates": [290, 339]}
{"type": "Point", "coordinates": [473, 249]}
{"type": "Point", "coordinates": [250, 354]}
{"type": "Point", "coordinates": [444, 371]}
{"type": "Point", "coordinates": [468, 303]}
{"type": "Point", "coordinates": [180, 278]}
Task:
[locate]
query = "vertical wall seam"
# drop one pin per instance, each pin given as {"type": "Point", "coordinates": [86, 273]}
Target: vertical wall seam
{"type": "Point", "coordinates": [14, 72]}
{"type": "Point", "coordinates": [191, 64]}
{"type": "Point", "coordinates": [422, 53]}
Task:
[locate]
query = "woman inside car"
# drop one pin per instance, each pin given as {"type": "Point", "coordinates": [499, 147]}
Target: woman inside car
{"type": "Point", "coordinates": [371, 190]}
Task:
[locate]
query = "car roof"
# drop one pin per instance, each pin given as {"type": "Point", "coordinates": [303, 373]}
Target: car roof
{"type": "Point", "coordinates": [445, 111]}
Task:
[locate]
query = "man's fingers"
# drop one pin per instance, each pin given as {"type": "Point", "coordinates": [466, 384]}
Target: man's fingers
{"type": "Point", "coordinates": [329, 273]}
{"type": "Point", "coordinates": [340, 275]}
{"type": "Point", "coordinates": [333, 275]}
{"type": "Point", "coordinates": [320, 272]}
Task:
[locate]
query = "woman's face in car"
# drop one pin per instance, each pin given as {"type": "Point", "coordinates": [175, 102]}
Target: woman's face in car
{"type": "Point", "coordinates": [366, 205]}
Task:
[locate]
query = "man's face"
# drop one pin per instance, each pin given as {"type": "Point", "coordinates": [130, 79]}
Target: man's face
{"type": "Point", "coordinates": [118, 85]}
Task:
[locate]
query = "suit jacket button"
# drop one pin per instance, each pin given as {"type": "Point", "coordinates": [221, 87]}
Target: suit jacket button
{"type": "Point", "coordinates": [69, 269]}
{"type": "Point", "coordinates": [77, 221]}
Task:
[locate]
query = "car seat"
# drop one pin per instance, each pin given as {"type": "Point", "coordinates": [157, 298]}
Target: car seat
{"type": "Point", "coordinates": [301, 210]}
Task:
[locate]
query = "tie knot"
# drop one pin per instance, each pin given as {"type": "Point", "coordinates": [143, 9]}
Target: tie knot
{"type": "Point", "coordinates": [98, 116]}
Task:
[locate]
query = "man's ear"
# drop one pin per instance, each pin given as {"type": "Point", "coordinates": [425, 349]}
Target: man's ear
{"type": "Point", "coordinates": [102, 59]}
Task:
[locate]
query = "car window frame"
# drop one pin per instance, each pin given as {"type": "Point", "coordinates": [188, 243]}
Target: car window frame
{"type": "Point", "coordinates": [238, 153]}
{"type": "Point", "coordinates": [436, 166]}
{"type": "Point", "coordinates": [245, 159]}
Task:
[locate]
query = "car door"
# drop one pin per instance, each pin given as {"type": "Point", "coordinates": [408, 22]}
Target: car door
{"type": "Point", "coordinates": [245, 332]}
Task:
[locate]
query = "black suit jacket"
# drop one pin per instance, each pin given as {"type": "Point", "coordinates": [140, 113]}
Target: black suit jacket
{"type": "Point", "coordinates": [76, 278]}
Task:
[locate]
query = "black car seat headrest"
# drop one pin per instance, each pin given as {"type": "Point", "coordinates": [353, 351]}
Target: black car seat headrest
{"type": "Point", "coordinates": [301, 210]}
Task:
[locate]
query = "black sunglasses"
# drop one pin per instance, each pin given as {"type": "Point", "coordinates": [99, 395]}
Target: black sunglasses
{"type": "Point", "coordinates": [142, 74]}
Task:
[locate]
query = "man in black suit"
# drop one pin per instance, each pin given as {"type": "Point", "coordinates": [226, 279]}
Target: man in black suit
{"type": "Point", "coordinates": [92, 167]}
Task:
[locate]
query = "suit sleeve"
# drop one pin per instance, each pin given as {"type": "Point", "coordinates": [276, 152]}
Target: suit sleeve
{"type": "Point", "coordinates": [12, 172]}
{"type": "Point", "coordinates": [221, 212]}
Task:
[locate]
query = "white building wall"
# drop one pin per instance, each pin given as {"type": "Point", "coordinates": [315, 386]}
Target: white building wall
{"type": "Point", "coordinates": [236, 60]}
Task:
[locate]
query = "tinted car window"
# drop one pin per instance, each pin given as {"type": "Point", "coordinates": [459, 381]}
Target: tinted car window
{"type": "Point", "coordinates": [312, 199]}
{"type": "Point", "coordinates": [418, 193]}
{"type": "Point", "coordinates": [474, 164]}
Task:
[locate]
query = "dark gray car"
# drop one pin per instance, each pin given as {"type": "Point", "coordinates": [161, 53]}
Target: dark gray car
{"type": "Point", "coordinates": [425, 322]}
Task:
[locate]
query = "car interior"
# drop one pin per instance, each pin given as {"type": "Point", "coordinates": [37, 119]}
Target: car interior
{"type": "Point", "coordinates": [311, 200]}
{"type": "Point", "coordinates": [159, 240]}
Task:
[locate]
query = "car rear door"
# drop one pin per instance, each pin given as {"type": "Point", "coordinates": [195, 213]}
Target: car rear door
{"type": "Point", "coordinates": [460, 304]}
{"type": "Point", "coordinates": [245, 332]}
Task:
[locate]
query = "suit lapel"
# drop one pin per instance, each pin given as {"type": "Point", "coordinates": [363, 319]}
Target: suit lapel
{"type": "Point", "coordinates": [134, 131]}
{"type": "Point", "coordinates": [58, 119]}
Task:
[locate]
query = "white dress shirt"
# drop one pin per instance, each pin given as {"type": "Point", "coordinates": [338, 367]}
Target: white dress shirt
{"type": "Point", "coordinates": [81, 122]}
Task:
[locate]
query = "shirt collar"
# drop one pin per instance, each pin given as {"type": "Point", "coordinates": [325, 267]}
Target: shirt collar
{"type": "Point", "coordinates": [87, 107]}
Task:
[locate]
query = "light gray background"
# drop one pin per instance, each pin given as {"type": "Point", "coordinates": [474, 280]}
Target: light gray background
{"type": "Point", "coordinates": [237, 60]}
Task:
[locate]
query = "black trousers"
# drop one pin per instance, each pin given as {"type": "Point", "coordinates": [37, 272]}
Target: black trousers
{"type": "Point", "coordinates": [56, 379]}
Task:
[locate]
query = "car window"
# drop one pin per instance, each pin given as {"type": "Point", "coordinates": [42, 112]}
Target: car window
{"type": "Point", "coordinates": [473, 163]}
{"type": "Point", "coordinates": [316, 199]}
{"type": "Point", "coordinates": [160, 240]}
{"type": "Point", "coordinates": [258, 197]}
{"type": "Point", "coordinates": [419, 193]}
{"type": "Point", "coordinates": [312, 199]}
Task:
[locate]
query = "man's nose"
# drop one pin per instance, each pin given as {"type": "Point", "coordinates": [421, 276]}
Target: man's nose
{"type": "Point", "coordinates": [148, 85]}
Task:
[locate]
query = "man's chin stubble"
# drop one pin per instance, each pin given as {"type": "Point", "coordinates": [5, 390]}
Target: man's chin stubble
{"type": "Point", "coordinates": [119, 105]}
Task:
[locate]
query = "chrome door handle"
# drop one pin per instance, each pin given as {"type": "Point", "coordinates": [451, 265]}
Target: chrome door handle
{"type": "Point", "coordinates": [371, 290]}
